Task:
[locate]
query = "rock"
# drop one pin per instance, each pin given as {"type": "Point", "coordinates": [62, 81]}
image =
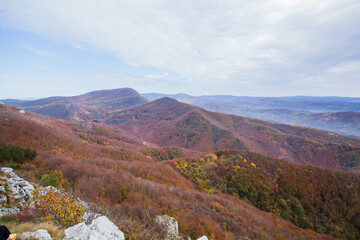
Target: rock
{"type": "Point", "coordinates": [22, 111]}
{"type": "Point", "coordinates": [21, 189]}
{"type": "Point", "coordinates": [107, 228]}
{"type": "Point", "coordinates": [100, 228]}
{"type": "Point", "coordinates": [89, 216]}
{"type": "Point", "coordinates": [8, 211]}
{"type": "Point", "coordinates": [3, 200]}
{"type": "Point", "coordinates": [2, 188]}
{"type": "Point", "coordinates": [172, 228]}
{"type": "Point", "coordinates": [81, 232]}
{"type": "Point", "coordinates": [9, 171]}
{"type": "Point", "coordinates": [203, 238]}
{"type": "Point", "coordinates": [40, 234]}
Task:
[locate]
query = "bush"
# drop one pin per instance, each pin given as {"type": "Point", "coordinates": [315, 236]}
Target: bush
{"type": "Point", "coordinates": [50, 179]}
{"type": "Point", "coordinates": [57, 206]}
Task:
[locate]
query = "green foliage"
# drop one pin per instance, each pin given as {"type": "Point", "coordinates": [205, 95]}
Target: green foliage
{"type": "Point", "coordinates": [50, 179]}
{"type": "Point", "coordinates": [319, 199]}
{"type": "Point", "coordinates": [16, 155]}
{"type": "Point", "coordinates": [161, 154]}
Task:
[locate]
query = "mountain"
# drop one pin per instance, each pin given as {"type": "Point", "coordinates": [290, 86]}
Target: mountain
{"type": "Point", "coordinates": [167, 122]}
{"type": "Point", "coordinates": [84, 107]}
{"type": "Point", "coordinates": [105, 166]}
{"type": "Point", "coordinates": [345, 123]}
{"type": "Point", "coordinates": [11, 101]}
{"type": "Point", "coordinates": [337, 114]}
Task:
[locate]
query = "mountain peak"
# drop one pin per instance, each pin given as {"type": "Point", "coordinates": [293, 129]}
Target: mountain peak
{"type": "Point", "coordinates": [108, 94]}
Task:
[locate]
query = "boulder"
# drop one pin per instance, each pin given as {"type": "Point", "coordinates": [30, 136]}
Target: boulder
{"type": "Point", "coordinates": [203, 238]}
{"type": "Point", "coordinates": [101, 228]}
{"type": "Point", "coordinates": [9, 211]}
{"type": "Point", "coordinates": [40, 234]}
{"type": "Point", "coordinates": [81, 232]}
{"type": "Point", "coordinates": [107, 228]}
{"type": "Point", "coordinates": [172, 228]}
{"type": "Point", "coordinates": [2, 189]}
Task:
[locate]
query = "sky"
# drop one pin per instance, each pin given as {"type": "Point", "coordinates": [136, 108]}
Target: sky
{"type": "Point", "coordinates": [204, 47]}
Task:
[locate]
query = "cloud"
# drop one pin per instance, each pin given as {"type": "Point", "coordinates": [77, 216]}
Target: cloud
{"type": "Point", "coordinates": [258, 43]}
{"type": "Point", "coordinates": [42, 66]}
{"type": "Point", "coordinates": [38, 51]}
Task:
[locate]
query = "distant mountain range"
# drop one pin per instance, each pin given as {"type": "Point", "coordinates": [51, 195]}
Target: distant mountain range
{"type": "Point", "coordinates": [167, 122]}
{"type": "Point", "coordinates": [337, 114]}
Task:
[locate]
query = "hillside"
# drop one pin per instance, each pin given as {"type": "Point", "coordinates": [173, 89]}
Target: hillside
{"type": "Point", "coordinates": [337, 114]}
{"type": "Point", "coordinates": [132, 187]}
{"type": "Point", "coordinates": [167, 122]}
{"type": "Point", "coordinates": [310, 197]}
{"type": "Point", "coordinates": [88, 106]}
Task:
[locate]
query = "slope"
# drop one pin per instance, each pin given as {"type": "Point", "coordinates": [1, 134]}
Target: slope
{"type": "Point", "coordinates": [130, 187]}
{"type": "Point", "coordinates": [167, 122]}
{"type": "Point", "coordinates": [337, 114]}
{"type": "Point", "coordinates": [84, 107]}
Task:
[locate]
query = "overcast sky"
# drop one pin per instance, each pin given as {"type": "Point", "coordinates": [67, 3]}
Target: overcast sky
{"type": "Point", "coordinates": [248, 48]}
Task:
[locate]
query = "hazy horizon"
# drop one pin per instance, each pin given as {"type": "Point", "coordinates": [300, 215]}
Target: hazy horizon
{"type": "Point", "coordinates": [143, 93]}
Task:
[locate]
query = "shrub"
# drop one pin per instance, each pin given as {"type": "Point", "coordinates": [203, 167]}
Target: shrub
{"type": "Point", "coordinates": [50, 179]}
{"type": "Point", "coordinates": [57, 206]}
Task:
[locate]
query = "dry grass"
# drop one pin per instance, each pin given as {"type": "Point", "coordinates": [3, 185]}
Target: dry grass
{"type": "Point", "coordinates": [56, 232]}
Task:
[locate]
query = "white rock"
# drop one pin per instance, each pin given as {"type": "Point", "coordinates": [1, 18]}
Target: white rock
{"type": "Point", "coordinates": [107, 228]}
{"type": "Point", "coordinates": [8, 211]}
{"type": "Point", "coordinates": [3, 200]}
{"type": "Point", "coordinates": [2, 188]}
{"type": "Point", "coordinates": [22, 111]}
{"type": "Point", "coordinates": [21, 189]}
{"type": "Point", "coordinates": [101, 228]}
{"type": "Point", "coordinates": [82, 232]}
{"type": "Point", "coordinates": [89, 216]}
{"type": "Point", "coordinates": [7, 169]}
{"type": "Point", "coordinates": [172, 228]}
{"type": "Point", "coordinates": [40, 234]}
{"type": "Point", "coordinates": [203, 238]}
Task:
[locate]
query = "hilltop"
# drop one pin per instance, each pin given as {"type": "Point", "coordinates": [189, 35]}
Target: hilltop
{"type": "Point", "coordinates": [87, 106]}
{"type": "Point", "coordinates": [167, 122]}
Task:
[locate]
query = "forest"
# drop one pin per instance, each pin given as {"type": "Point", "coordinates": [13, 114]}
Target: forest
{"type": "Point", "coordinates": [320, 199]}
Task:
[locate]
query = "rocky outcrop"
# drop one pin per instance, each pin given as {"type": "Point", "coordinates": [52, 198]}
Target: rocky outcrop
{"type": "Point", "coordinates": [21, 189]}
{"type": "Point", "coordinates": [101, 228]}
{"type": "Point", "coordinates": [12, 186]}
{"type": "Point", "coordinates": [40, 234]}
